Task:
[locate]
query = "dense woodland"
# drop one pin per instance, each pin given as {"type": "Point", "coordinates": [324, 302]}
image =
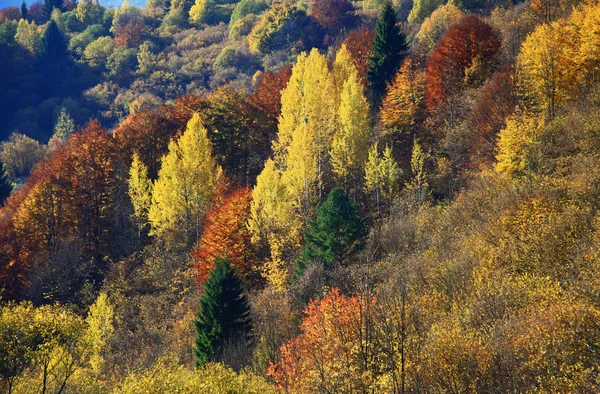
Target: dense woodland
{"type": "Point", "coordinates": [324, 196]}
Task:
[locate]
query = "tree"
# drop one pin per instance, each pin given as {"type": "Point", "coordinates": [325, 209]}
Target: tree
{"type": "Point", "coordinates": [466, 57]}
{"type": "Point", "coordinates": [24, 10]}
{"type": "Point", "coordinates": [49, 6]}
{"type": "Point", "coordinates": [186, 182]}
{"type": "Point", "coordinates": [334, 15]}
{"type": "Point", "coordinates": [140, 192]}
{"type": "Point", "coordinates": [64, 127]}
{"type": "Point", "coordinates": [226, 235]}
{"type": "Point", "coordinates": [29, 36]}
{"type": "Point", "coordinates": [327, 357]}
{"type": "Point", "coordinates": [223, 316]}
{"type": "Point", "coordinates": [436, 25]}
{"type": "Point", "coordinates": [422, 9]}
{"type": "Point", "coordinates": [6, 186]}
{"type": "Point", "coordinates": [382, 176]}
{"type": "Point", "coordinates": [403, 105]}
{"type": "Point", "coordinates": [335, 234]}
{"type": "Point", "coordinates": [89, 12]}
{"type": "Point", "coordinates": [359, 43]}
{"type": "Point", "coordinates": [99, 330]}
{"type": "Point", "coordinates": [351, 140]}
{"type": "Point", "coordinates": [389, 45]}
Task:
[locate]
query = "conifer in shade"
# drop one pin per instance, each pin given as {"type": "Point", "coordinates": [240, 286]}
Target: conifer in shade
{"type": "Point", "coordinates": [48, 7]}
{"type": "Point", "coordinates": [389, 46]}
{"type": "Point", "coordinates": [224, 313]}
{"type": "Point", "coordinates": [6, 186]}
{"type": "Point", "coordinates": [335, 234]}
{"type": "Point", "coordinates": [24, 10]}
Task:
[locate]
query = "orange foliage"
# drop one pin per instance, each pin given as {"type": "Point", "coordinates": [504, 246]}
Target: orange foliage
{"type": "Point", "coordinates": [325, 358]}
{"type": "Point", "coordinates": [129, 35]}
{"type": "Point", "coordinates": [226, 235]}
{"type": "Point", "coordinates": [148, 133]}
{"type": "Point", "coordinates": [360, 45]}
{"type": "Point", "coordinates": [267, 96]}
{"type": "Point", "coordinates": [464, 57]}
{"type": "Point", "coordinates": [333, 15]}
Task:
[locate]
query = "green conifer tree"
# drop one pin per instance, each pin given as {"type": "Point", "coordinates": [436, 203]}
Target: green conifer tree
{"type": "Point", "coordinates": [335, 234]}
{"type": "Point", "coordinates": [64, 127]}
{"type": "Point", "coordinates": [48, 7]}
{"type": "Point", "coordinates": [6, 186]}
{"type": "Point", "coordinates": [24, 10]}
{"type": "Point", "coordinates": [54, 46]}
{"type": "Point", "coordinates": [389, 45]}
{"type": "Point", "coordinates": [224, 314]}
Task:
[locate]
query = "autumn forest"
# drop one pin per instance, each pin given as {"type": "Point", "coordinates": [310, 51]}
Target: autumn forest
{"type": "Point", "coordinates": [300, 196]}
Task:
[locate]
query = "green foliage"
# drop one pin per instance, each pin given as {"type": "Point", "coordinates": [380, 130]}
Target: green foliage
{"type": "Point", "coordinates": [79, 42]}
{"type": "Point", "coordinates": [224, 315]}
{"type": "Point", "coordinates": [335, 234]}
{"type": "Point", "coordinates": [48, 8]}
{"type": "Point", "coordinates": [6, 186]}
{"type": "Point", "coordinates": [246, 7]}
{"type": "Point", "coordinates": [279, 26]}
{"type": "Point", "coordinates": [389, 45]}
{"type": "Point", "coordinates": [89, 12]}
{"type": "Point", "coordinates": [28, 36]}
{"type": "Point", "coordinates": [64, 127]}
{"type": "Point", "coordinates": [422, 9]}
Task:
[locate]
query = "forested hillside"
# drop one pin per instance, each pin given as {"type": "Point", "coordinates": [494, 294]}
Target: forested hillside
{"type": "Point", "coordinates": [324, 196]}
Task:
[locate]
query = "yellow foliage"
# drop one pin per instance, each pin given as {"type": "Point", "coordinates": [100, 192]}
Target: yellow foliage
{"type": "Point", "coordinates": [516, 144]}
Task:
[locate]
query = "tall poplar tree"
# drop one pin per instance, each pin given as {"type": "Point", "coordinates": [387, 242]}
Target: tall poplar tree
{"type": "Point", "coordinates": [223, 316]}
{"type": "Point", "coordinates": [140, 192]}
{"type": "Point", "coordinates": [6, 186]}
{"type": "Point", "coordinates": [186, 182]}
{"type": "Point", "coordinates": [389, 45]}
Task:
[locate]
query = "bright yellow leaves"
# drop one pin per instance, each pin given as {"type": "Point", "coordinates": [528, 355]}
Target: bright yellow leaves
{"type": "Point", "coordinates": [186, 182]}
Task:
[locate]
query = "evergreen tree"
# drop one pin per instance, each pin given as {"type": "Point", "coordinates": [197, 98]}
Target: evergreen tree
{"type": "Point", "coordinates": [24, 10]}
{"type": "Point", "coordinates": [49, 6]}
{"type": "Point", "coordinates": [389, 45]}
{"type": "Point", "coordinates": [64, 127]}
{"type": "Point", "coordinates": [54, 46]}
{"type": "Point", "coordinates": [335, 234]}
{"type": "Point", "coordinates": [6, 186]}
{"type": "Point", "coordinates": [224, 314]}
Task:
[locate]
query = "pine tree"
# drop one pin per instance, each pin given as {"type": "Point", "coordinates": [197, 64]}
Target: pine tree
{"type": "Point", "coordinates": [24, 10]}
{"type": "Point", "coordinates": [6, 186]}
{"type": "Point", "coordinates": [49, 6]}
{"type": "Point", "coordinates": [65, 127]}
{"type": "Point", "coordinates": [335, 234]}
{"type": "Point", "coordinates": [389, 45]}
{"type": "Point", "coordinates": [54, 46]}
{"type": "Point", "coordinates": [140, 192]}
{"type": "Point", "coordinates": [223, 316]}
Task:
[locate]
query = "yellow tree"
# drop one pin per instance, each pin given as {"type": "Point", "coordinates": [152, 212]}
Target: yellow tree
{"type": "Point", "coordinates": [351, 140]}
{"type": "Point", "coordinates": [99, 331]}
{"type": "Point", "coordinates": [140, 192]}
{"type": "Point", "coordinates": [382, 176]}
{"type": "Point", "coordinates": [404, 100]}
{"type": "Point", "coordinates": [516, 144]}
{"type": "Point", "coordinates": [186, 182]}
{"type": "Point", "coordinates": [273, 221]}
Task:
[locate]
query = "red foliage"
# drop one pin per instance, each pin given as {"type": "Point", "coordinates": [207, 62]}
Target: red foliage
{"type": "Point", "coordinates": [226, 235]}
{"type": "Point", "coordinates": [333, 15]}
{"type": "Point", "coordinates": [35, 12]}
{"type": "Point", "coordinates": [267, 96]}
{"type": "Point", "coordinates": [464, 57]}
{"type": "Point", "coordinates": [10, 13]}
{"type": "Point", "coordinates": [496, 103]}
{"type": "Point", "coordinates": [184, 107]}
{"type": "Point", "coordinates": [148, 133]}
{"type": "Point", "coordinates": [129, 35]}
{"type": "Point", "coordinates": [360, 45]}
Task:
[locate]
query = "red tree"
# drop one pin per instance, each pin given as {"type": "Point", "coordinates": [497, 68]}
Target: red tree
{"type": "Point", "coordinates": [334, 15]}
{"type": "Point", "coordinates": [267, 96]}
{"type": "Point", "coordinates": [496, 103]}
{"type": "Point", "coordinates": [226, 235]}
{"type": "Point", "coordinates": [466, 56]}
{"type": "Point", "coordinates": [359, 43]}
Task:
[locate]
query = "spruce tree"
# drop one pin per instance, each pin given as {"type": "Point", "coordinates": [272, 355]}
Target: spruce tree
{"type": "Point", "coordinates": [24, 10]}
{"type": "Point", "coordinates": [6, 186]}
{"type": "Point", "coordinates": [64, 127]}
{"type": "Point", "coordinates": [224, 313]}
{"type": "Point", "coordinates": [335, 234]}
{"type": "Point", "coordinates": [49, 6]}
{"type": "Point", "coordinates": [389, 45]}
{"type": "Point", "coordinates": [54, 46]}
